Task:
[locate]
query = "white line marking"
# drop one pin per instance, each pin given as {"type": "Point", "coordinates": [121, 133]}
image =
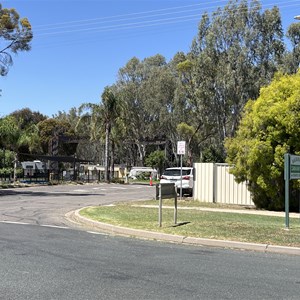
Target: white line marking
{"type": "Point", "coordinates": [54, 226]}
{"type": "Point", "coordinates": [11, 222]}
{"type": "Point", "coordinates": [99, 233]}
{"type": "Point", "coordinates": [22, 223]}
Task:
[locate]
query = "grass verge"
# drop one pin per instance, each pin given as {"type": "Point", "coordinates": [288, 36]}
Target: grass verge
{"type": "Point", "coordinates": [202, 224]}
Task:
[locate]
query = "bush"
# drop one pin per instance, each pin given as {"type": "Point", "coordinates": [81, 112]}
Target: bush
{"type": "Point", "coordinates": [269, 128]}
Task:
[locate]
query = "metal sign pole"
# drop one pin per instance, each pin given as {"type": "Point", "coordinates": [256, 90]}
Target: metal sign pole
{"type": "Point", "coordinates": [181, 152]}
{"type": "Point", "coordinates": [175, 209]}
{"type": "Point", "coordinates": [287, 187]}
{"type": "Point", "coordinates": [160, 207]}
{"type": "Point", "coordinates": [180, 177]}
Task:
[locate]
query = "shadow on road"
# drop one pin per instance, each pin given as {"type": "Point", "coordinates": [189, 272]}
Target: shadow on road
{"type": "Point", "coordinates": [5, 192]}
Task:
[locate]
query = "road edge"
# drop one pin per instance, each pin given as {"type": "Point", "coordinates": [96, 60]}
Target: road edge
{"type": "Point", "coordinates": [75, 217]}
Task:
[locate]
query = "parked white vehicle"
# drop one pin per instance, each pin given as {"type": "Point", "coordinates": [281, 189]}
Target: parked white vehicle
{"type": "Point", "coordinates": [136, 172]}
{"type": "Point", "coordinates": [172, 175]}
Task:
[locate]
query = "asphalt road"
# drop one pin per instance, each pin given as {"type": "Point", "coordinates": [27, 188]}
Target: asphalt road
{"type": "Point", "coordinates": [42, 257]}
{"type": "Point", "coordinates": [40, 262]}
{"type": "Point", "coordinates": [47, 205]}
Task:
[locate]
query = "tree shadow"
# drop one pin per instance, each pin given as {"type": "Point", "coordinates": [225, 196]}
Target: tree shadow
{"type": "Point", "coordinates": [181, 224]}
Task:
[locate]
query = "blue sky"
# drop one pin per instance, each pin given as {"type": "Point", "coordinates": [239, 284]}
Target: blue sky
{"type": "Point", "coordinates": [79, 46]}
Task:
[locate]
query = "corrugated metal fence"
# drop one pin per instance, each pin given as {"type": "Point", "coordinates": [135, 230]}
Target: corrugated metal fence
{"type": "Point", "coordinates": [213, 183]}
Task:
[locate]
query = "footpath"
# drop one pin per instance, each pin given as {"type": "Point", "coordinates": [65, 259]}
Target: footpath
{"type": "Point", "coordinates": [76, 218]}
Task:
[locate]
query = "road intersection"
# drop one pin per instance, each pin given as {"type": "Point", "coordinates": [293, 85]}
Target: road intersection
{"type": "Point", "coordinates": [58, 206]}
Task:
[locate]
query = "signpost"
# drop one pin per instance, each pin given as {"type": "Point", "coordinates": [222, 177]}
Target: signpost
{"type": "Point", "coordinates": [165, 191]}
{"type": "Point", "coordinates": [291, 171]}
{"type": "Point", "coordinates": [181, 152]}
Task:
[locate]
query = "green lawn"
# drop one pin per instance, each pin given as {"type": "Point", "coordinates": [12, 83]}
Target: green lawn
{"type": "Point", "coordinates": [204, 224]}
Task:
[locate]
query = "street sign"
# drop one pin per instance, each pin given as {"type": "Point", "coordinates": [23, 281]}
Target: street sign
{"type": "Point", "coordinates": [294, 166]}
{"type": "Point", "coordinates": [181, 148]}
{"type": "Point", "coordinates": [291, 171]}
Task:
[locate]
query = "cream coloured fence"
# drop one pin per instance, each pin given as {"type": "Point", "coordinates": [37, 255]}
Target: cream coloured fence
{"type": "Point", "coordinates": [214, 183]}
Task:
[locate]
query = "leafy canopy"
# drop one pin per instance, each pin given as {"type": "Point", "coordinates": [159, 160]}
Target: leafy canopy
{"type": "Point", "coordinates": [270, 127]}
{"type": "Point", "coordinates": [15, 36]}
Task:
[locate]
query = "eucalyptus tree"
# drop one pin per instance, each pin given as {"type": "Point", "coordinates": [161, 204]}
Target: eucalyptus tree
{"type": "Point", "coordinates": [236, 51]}
{"type": "Point", "coordinates": [147, 91]}
{"type": "Point", "coordinates": [16, 35]}
{"type": "Point", "coordinates": [72, 116]}
{"type": "Point", "coordinates": [158, 94]}
{"type": "Point", "coordinates": [292, 57]}
{"type": "Point", "coordinates": [196, 125]}
{"type": "Point", "coordinates": [130, 79]}
{"type": "Point", "coordinates": [180, 114]}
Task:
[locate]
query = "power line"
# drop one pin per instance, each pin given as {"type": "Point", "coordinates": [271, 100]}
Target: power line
{"type": "Point", "coordinates": [117, 17]}
{"type": "Point", "coordinates": [144, 24]}
{"type": "Point", "coordinates": [139, 24]}
{"type": "Point", "coordinates": [130, 25]}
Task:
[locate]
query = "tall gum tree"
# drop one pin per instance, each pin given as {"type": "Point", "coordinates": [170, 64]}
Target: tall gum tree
{"type": "Point", "coordinates": [236, 51]}
{"type": "Point", "coordinates": [292, 58]}
{"type": "Point", "coordinates": [147, 92]}
{"type": "Point", "coordinates": [15, 34]}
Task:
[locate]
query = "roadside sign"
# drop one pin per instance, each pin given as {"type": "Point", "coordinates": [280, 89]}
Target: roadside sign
{"type": "Point", "coordinates": [291, 171]}
{"type": "Point", "coordinates": [294, 166]}
{"type": "Point", "coordinates": [181, 148]}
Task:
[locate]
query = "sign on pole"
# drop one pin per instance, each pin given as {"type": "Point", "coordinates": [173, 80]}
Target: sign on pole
{"type": "Point", "coordinates": [287, 187]}
{"type": "Point", "coordinates": [181, 148]}
{"type": "Point", "coordinates": [294, 166]}
{"type": "Point", "coordinates": [181, 151]}
{"type": "Point", "coordinates": [291, 171]}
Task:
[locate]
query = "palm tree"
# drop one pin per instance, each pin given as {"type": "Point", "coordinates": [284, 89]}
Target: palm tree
{"type": "Point", "coordinates": [100, 118]}
{"type": "Point", "coordinates": [109, 112]}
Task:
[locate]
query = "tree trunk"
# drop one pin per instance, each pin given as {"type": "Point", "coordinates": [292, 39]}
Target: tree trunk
{"type": "Point", "coordinates": [15, 167]}
{"type": "Point", "coordinates": [112, 164]}
{"type": "Point", "coordinates": [106, 162]}
{"type": "Point", "coordinates": [141, 149]}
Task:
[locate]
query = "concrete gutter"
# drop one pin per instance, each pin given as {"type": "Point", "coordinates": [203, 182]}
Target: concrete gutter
{"type": "Point", "coordinates": [75, 217]}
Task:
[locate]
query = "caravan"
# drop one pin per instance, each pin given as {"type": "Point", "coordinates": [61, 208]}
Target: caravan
{"type": "Point", "coordinates": [142, 173]}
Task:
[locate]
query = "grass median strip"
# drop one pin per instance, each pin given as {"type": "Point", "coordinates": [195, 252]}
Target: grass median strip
{"type": "Point", "coordinates": [203, 224]}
